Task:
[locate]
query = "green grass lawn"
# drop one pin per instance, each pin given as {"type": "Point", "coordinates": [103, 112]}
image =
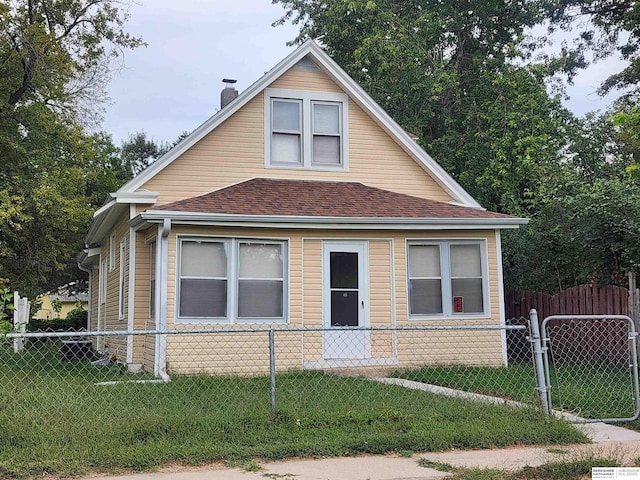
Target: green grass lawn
{"type": "Point", "coordinates": [53, 418]}
{"type": "Point", "coordinates": [590, 391]}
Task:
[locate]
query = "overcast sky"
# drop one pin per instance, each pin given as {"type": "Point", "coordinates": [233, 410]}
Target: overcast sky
{"type": "Point", "coordinates": [174, 83]}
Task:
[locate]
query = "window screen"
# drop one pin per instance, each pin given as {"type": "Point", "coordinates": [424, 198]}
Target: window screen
{"type": "Point", "coordinates": [260, 280]}
{"type": "Point", "coordinates": [425, 282]}
{"type": "Point", "coordinates": [203, 279]}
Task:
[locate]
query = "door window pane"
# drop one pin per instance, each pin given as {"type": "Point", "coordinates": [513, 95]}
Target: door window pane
{"type": "Point", "coordinates": [344, 309]}
{"type": "Point", "coordinates": [343, 267]}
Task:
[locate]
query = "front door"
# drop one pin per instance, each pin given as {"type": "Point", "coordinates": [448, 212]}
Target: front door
{"type": "Point", "coordinates": [345, 301]}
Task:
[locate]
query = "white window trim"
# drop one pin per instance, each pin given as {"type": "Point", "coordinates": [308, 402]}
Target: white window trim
{"type": "Point", "coordinates": [232, 245]}
{"type": "Point", "coordinates": [307, 98]}
{"type": "Point", "coordinates": [102, 282]}
{"type": "Point", "coordinates": [152, 276]}
{"type": "Point", "coordinates": [121, 278]}
{"type": "Point", "coordinates": [445, 275]}
{"type": "Point", "coordinates": [112, 252]}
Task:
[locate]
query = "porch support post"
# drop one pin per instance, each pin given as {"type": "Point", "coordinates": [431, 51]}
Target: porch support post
{"type": "Point", "coordinates": [162, 277]}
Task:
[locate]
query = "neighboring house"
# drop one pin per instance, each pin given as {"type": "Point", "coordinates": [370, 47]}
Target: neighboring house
{"type": "Point", "coordinates": [66, 302]}
{"type": "Point", "coordinates": [300, 204]}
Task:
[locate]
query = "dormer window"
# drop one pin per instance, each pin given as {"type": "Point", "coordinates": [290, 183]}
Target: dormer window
{"type": "Point", "coordinates": [286, 128]}
{"type": "Point", "coordinates": [305, 130]}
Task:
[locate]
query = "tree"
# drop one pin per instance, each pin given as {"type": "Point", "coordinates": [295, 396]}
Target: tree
{"type": "Point", "coordinates": [448, 72]}
{"type": "Point", "coordinates": [56, 53]}
{"type": "Point", "coordinates": [54, 63]}
{"type": "Point", "coordinates": [138, 152]}
{"type": "Point", "coordinates": [581, 234]}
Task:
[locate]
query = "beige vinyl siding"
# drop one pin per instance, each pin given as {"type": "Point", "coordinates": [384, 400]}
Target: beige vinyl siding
{"type": "Point", "coordinates": [117, 345]}
{"type": "Point", "coordinates": [246, 352]}
{"type": "Point", "coordinates": [381, 296]}
{"type": "Point", "coordinates": [299, 79]}
{"type": "Point", "coordinates": [234, 152]}
{"type": "Point", "coordinates": [95, 284]}
{"type": "Point", "coordinates": [145, 347]}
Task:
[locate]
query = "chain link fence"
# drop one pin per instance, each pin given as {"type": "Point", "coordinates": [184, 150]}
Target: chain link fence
{"type": "Point", "coordinates": [85, 368]}
{"type": "Point", "coordinates": [591, 366]}
{"type": "Point", "coordinates": [138, 399]}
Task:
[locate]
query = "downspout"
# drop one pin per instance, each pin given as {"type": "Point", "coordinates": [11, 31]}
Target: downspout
{"type": "Point", "coordinates": [162, 277]}
{"type": "Point", "coordinates": [90, 303]}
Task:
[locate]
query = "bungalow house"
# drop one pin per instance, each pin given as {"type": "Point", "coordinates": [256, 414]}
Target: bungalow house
{"type": "Point", "coordinates": [301, 203]}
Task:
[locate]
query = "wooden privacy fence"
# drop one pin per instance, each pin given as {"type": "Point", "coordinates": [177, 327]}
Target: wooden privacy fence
{"type": "Point", "coordinates": [594, 340]}
{"type": "Point", "coordinates": [580, 300]}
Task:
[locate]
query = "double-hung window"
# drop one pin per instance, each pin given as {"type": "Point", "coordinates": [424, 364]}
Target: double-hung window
{"type": "Point", "coordinates": [305, 129]}
{"type": "Point", "coordinates": [447, 278]}
{"type": "Point", "coordinates": [231, 280]}
{"type": "Point", "coordinates": [286, 137]}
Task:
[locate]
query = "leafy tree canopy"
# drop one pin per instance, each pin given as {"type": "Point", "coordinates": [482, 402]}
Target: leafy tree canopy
{"type": "Point", "coordinates": [54, 63]}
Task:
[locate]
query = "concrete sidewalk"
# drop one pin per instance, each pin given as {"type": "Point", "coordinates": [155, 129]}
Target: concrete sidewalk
{"type": "Point", "coordinates": [608, 440]}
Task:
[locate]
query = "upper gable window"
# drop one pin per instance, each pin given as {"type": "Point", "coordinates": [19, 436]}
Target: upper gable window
{"type": "Point", "coordinates": [305, 130]}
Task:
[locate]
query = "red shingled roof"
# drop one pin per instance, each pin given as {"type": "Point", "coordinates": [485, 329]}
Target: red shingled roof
{"type": "Point", "coordinates": [273, 197]}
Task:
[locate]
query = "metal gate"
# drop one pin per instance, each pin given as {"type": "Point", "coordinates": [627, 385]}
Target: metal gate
{"type": "Point", "coordinates": [590, 366]}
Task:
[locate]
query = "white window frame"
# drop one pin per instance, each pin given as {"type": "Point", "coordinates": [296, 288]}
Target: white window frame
{"type": "Point", "coordinates": [233, 266]}
{"type": "Point", "coordinates": [121, 278]}
{"type": "Point", "coordinates": [102, 282]}
{"type": "Point", "coordinates": [152, 278]}
{"type": "Point", "coordinates": [112, 252]}
{"type": "Point", "coordinates": [446, 277]}
{"type": "Point", "coordinates": [307, 99]}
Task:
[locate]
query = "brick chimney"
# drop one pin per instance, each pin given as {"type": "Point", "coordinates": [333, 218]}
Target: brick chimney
{"type": "Point", "coordinates": [229, 92]}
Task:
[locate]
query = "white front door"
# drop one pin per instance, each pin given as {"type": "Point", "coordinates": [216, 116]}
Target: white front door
{"type": "Point", "coordinates": [345, 300]}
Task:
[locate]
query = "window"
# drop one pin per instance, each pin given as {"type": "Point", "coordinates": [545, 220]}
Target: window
{"type": "Point", "coordinates": [286, 137]}
{"type": "Point", "coordinates": [121, 290]}
{"type": "Point", "coordinates": [260, 280]}
{"type": "Point", "coordinates": [102, 282]}
{"type": "Point", "coordinates": [112, 252]}
{"type": "Point", "coordinates": [446, 278]}
{"type": "Point", "coordinates": [326, 134]}
{"type": "Point", "coordinates": [231, 280]}
{"type": "Point", "coordinates": [305, 129]}
{"type": "Point", "coordinates": [152, 280]}
{"type": "Point", "coordinates": [203, 279]}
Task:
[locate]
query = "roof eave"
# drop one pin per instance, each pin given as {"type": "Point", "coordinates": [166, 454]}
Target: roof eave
{"type": "Point", "coordinates": [105, 217]}
{"type": "Point", "coordinates": [325, 222]}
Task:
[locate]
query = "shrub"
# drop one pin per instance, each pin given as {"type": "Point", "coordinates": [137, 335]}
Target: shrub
{"type": "Point", "coordinates": [76, 320]}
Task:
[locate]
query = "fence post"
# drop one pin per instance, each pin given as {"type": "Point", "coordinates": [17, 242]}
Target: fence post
{"type": "Point", "coordinates": [541, 383]}
{"type": "Point", "coordinates": [20, 320]}
{"type": "Point", "coordinates": [272, 368]}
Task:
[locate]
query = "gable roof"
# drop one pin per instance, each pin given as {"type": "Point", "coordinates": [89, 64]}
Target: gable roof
{"type": "Point", "coordinates": [349, 86]}
{"type": "Point", "coordinates": [311, 202]}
